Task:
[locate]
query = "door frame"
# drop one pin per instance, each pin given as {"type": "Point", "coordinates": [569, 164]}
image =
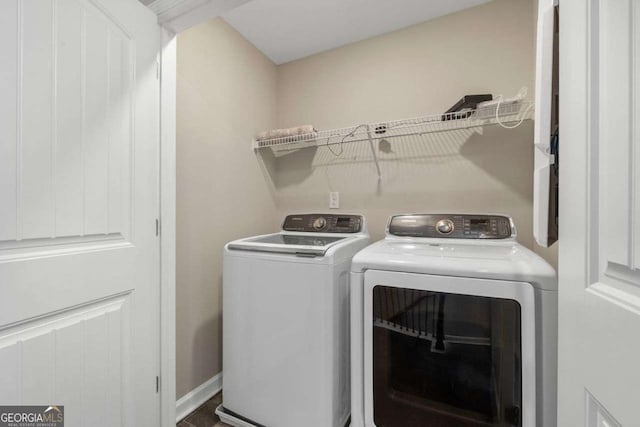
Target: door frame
{"type": "Point", "coordinates": [167, 225]}
{"type": "Point", "coordinates": [192, 12]}
{"type": "Point", "coordinates": [174, 16]}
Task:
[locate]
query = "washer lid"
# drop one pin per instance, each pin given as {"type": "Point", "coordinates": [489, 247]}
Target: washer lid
{"type": "Point", "coordinates": [298, 244]}
{"type": "Point", "coordinates": [501, 260]}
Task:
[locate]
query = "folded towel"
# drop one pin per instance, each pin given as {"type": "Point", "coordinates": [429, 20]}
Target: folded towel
{"type": "Point", "coordinates": [296, 133]}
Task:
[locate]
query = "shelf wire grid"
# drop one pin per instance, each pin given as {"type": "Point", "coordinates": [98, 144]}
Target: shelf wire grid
{"type": "Point", "coordinates": [508, 114]}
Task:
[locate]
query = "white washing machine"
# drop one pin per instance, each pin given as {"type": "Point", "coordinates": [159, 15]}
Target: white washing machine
{"type": "Point", "coordinates": [286, 323]}
{"type": "Point", "coordinates": [453, 323]}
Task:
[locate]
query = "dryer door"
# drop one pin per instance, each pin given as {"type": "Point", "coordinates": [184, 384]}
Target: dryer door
{"type": "Point", "coordinates": [448, 351]}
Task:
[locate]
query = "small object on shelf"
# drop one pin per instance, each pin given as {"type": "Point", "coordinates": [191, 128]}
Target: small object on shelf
{"type": "Point", "coordinates": [465, 106]}
{"type": "Point", "coordinates": [288, 132]}
{"type": "Point", "coordinates": [287, 139]}
{"type": "Point", "coordinates": [487, 109]}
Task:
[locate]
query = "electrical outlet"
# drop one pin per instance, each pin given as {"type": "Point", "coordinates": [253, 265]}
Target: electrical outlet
{"type": "Point", "coordinates": [334, 200]}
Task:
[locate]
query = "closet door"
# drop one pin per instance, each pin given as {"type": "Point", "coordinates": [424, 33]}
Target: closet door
{"type": "Point", "coordinates": [599, 264]}
{"type": "Point", "coordinates": [79, 254]}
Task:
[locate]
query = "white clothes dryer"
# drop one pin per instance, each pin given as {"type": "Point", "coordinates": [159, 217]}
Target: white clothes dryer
{"type": "Point", "coordinates": [286, 323]}
{"type": "Point", "coordinates": [453, 323]}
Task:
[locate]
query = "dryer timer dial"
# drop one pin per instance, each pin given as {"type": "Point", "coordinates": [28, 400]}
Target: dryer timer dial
{"type": "Point", "coordinates": [444, 226]}
{"type": "Point", "coordinates": [319, 223]}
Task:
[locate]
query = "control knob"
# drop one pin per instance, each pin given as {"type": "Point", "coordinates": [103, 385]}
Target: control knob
{"type": "Point", "coordinates": [444, 226]}
{"type": "Point", "coordinates": [319, 223]}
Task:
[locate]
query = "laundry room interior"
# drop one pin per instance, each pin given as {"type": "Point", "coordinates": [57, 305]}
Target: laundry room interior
{"type": "Point", "coordinates": [228, 91]}
{"type": "Point", "coordinates": [319, 213]}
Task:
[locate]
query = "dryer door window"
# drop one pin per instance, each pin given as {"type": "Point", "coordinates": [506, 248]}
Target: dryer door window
{"type": "Point", "coordinates": [445, 359]}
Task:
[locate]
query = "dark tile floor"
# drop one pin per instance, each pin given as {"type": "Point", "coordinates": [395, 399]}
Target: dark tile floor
{"type": "Point", "coordinates": [205, 415]}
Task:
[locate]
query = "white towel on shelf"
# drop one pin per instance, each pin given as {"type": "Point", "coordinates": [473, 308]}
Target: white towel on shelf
{"type": "Point", "coordinates": [293, 134]}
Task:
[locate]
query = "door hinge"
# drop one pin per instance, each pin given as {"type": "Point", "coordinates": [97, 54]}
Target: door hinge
{"type": "Point", "coordinates": [157, 384]}
{"type": "Point", "coordinates": [157, 227]}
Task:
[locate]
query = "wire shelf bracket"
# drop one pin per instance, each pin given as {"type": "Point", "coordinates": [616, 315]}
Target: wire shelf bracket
{"type": "Point", "coordinates": [373, 151]}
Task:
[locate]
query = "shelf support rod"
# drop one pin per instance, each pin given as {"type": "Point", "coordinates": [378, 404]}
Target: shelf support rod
{"type": "Point", "coordinates": [373, 151]}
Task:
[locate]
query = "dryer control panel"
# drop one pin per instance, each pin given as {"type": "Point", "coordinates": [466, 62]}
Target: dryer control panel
{"type": "Point", "coordinates": [453, 226]}
{"type": "Point", "coordinates": [323, 223]}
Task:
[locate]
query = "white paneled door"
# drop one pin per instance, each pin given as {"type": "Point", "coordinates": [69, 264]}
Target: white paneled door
{"type": "Point", "coordinates": [599, 266]}
{"type": "Point", "coordinates": [79, 252]}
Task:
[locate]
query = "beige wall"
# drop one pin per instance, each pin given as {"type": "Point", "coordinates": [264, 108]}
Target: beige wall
{"type": "Point", "coordinates": [228, 91]}
{"type": "Point", "coordinates": [419, 70]}
{"type": "Point", "coordinates": [226, 94]}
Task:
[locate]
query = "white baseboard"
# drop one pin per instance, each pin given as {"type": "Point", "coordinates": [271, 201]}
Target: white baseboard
{"type": "Point", "coordinates": [196, 397]}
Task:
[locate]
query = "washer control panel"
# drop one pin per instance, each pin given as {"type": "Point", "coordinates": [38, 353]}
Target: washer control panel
{"type": "Point", "coordinates": [323, 223]}
{"type": "Point", "coordinates": [452, 226]}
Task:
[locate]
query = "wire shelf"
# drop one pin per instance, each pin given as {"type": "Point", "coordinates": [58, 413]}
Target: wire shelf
{"type": "Point", "coordinates": [508, 114]}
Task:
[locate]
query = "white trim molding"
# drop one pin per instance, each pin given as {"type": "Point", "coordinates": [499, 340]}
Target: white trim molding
{"type": "Point", "coordinates": [179, 15]}
{"type": "Point", "coordinates": [196, 397]}
{"type": "Point", "coordinates": [168, 227]}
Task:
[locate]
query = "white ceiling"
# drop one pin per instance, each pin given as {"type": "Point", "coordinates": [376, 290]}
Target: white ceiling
{"type": "Point", "coordinates": [286, 30]}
